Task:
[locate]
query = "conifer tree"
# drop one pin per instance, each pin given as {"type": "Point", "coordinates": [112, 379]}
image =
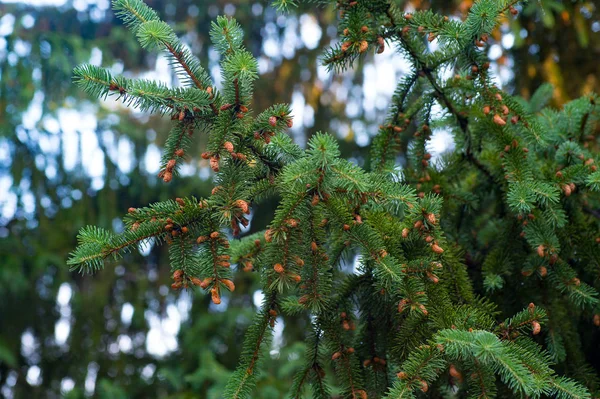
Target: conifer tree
{"type": "Point", "coordinates": [478, 275]}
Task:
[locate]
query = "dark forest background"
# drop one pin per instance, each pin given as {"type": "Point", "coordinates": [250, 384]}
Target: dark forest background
{"type": "Point", "coordinates": [67, 160]}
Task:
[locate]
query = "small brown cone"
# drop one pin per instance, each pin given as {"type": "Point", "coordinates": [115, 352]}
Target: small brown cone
{"type": "Point", "coordinates": [229, 284]}
{"type": "Point", "coordinates": [541, 250]}
{"type": "Point", "coordinates": [437, 249]}
{"type": "Point", "coordinates": [536, 327]}
{"type": "Point", "coordinates": [499, 121]}
{"type": "Point", "coordinates": [214, 294]}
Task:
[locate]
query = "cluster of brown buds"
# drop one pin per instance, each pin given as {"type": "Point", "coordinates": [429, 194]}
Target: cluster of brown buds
{"type": "Point", "coordinates": [422, 227]}
{"type": "Point", "coordinates": [405, 303]}
{"type": "Point", "coordinates": [228, 146]}
{"type": "Point", "coordinates": [213, 160]}
{"type": "Point", "coordinates": [272, 317]}
{"type": "Point", "coordinates": [347, 323]}
{"type": "Point", "coordinates": [500, 113]}
{"type": "Point", "coordinates": [241, 208]}
{"type": "Point", "coordinates": [246, 260]}
{"type": "Point", "coordinates": [363, 45]}
{"type": "Point", "coordinates": [376, 363]}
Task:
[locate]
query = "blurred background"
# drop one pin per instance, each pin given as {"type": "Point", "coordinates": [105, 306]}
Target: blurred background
{"type": "Point", "coordinates": [67, 160]}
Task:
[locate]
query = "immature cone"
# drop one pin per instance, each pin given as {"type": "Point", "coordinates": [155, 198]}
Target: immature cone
{"type": "Point", "coordinates": [541, 250]}
{"type": "Point", "coordinates": [499, 121]}
{"type": "Point", "coordinates": [206, 282]}
{"type": "Point", "coordinates": [228, 145]}
{"type": "Point", "coordinates": [424, 386]}
{"type": "Point", "coordinates": [543, 271]}
{"type": "Point", "coordinates": [346, 46]}
{"type": "Point", "coordinates": [176, 285]}
{"type": "Point", "coordinates": [278, 268]}
{"type": "Point", "coordinates": [364, 46]}
{"type": "Point", "coordinates": [336, 355]}
{"type": "Point", "coordinates": [405, 232]}
{"type": "Point", "coordinates": [535, 326]}
{"type": "Point", "coordinates": [455, 373]}
{"type": "Point", "coordinates": [268, 235]}
{"type": "Point", "coordinates": [431, 218]}
{"type": "Point", "coordinates": [487, 110]}
{"type": "Point", "coordinates": [596, 320]}
{"type": "Point", "coordinates": [180, 153]}
{"type": "Point", "coordinates": [243, 205]}
{"type": "Point", "coordinates": [178, 274]}
{"type": "Point", "coordinates": [273, 121]}
{"type": "Point", "coordinates": [214, 164]}
{"type": "Point", "coordinates": [437, 249]}
{"type": "Point", "coordinates": [214, 294]}
{"type": "Point", "coordinates": [196, 281]}
{"type": "Point", "coordinates": [360, 394]}
{"type": "Point", "coordinates": [402, 375]}
{"type": "Point", "coordinates": [167, 176]}
{"type": "Point", "coordinates": [229, 284]}
{"type": "Point", "coordinates": [402, 305]}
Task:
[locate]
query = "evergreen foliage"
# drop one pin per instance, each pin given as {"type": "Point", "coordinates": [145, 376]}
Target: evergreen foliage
{"type": "Point", "coordinates": [509, 214]}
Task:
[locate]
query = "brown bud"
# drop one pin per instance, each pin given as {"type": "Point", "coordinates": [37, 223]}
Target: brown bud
{"type": "Point", "coordinates": [499, 121]}
{"type": "Point", "coordinates": [176, 285]}
{"type": "Point", "coordinates": [345, 46]}
{"type": "Point", "coordinates": [229, 284]}
{"type": "Point", "coordinates": [243, 108]}
{"type": "Point", "coordinates": [541, 250]}
{"type": "Point", "coordinates": [431, 218]}
{"type": "Point", "coordinates": [201, 239]}
{"type": "Point", "coordinates": [437, 249]}
{"type": "Point", "coordinates": [278, 268]}
{"type": "Point", "coordinates": [196, 281]}
{"type": "Point", "coordinates": [268, 235]}
{"type": "Point", "coordinates": [336, 356]}
{"type": "Point", "coordinates": [243, 205]}
{"type": "Point", "coordinates": [228, 145]}
{"type": "Point", "coordinates": [346, 227]}
{"type": "Point", "coordinates": [364, 46]}
{"type": "Point", "coordinates": [543, 271]}
{"type": "Point", "coordinates": [596, 320]}
{"type": "Point", "coordinates": [455, 373]}
{"type": "Point", "coordinates": [216, 298]}
{"type": "Point", "coordinates": [424, 386]}
{"type": "Point", "coordinates": [402, 305]}
{"type": "Point", "coordinates": [405, 232]}
{"type": "Point", "coordinates": [536, 327]}
{"type": "Point", "coordinates": [167, 176]}
{"type": "Point", "coordinates": [225, 107]}
{"type": "Point", "coordinates": [214, 235]}
{"type": "Point", "coordinates": [402, 375]}
{"type": "Point", "coordinates": [180, 152]}
{"type": "Point", "coordinates": [206, 155]}
{"type": "Point", "coordinates": [214, 164]}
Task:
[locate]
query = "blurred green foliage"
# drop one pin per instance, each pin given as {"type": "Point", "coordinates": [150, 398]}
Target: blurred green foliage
{"type": "Point", "coordinates": [44, 199]}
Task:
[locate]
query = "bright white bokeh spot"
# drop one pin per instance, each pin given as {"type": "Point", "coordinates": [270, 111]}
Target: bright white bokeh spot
{"type": "Point", "coordinates": [62, 329]}
{"type": "Point", "coordinates": [126, 313]}
{"type": "Point", "coordinates": [310, 31]}
{"type": "Point", "coordinates": [66, 385]}
{"type": "Point", "coordinates": [258, 298]}
{"type": "Point", "coordinates": [64, 294]}
{"type": "Point", "coordinates": [34, 376]}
